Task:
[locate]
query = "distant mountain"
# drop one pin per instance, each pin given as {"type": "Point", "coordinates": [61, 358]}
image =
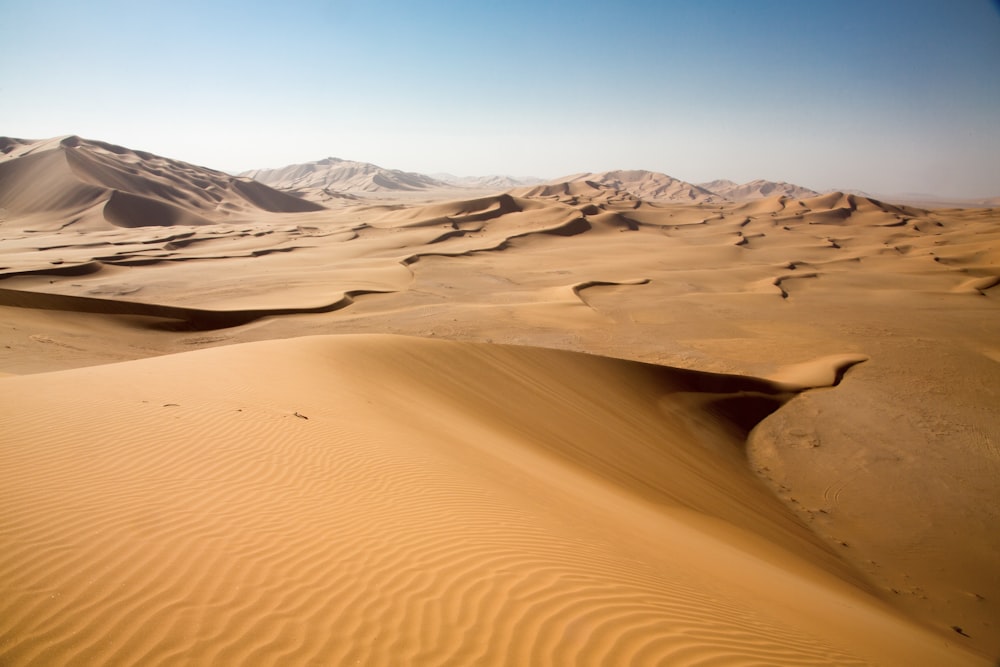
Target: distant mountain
{"type": "Point", "coordinates": [758, 189]}
{"type": "Point", "coordinates": [497, 182]}
{"type": "Point", "coordinates": [573, 192]}
{"type": "Point", "coordinates": [92, 183]}
{"type": "Point", "coordinates": [938, 201]}
{"type": "Point", "coordinates": [855, 191]}
{"type": "Point", "coordinates": [718, 185]}
{"type": "Point", "coordinates": [646, 185]}
{"type": "Point", "coordinates": [336, 175]}
{"type": "Point", "coordinates": [336, 178]}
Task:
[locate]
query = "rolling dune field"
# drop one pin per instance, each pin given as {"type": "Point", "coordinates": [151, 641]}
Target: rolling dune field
{"type": "Point", "coordinates": [604, 420]}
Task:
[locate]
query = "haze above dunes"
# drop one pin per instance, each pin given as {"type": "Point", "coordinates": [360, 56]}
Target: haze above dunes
{"type": "Point", "coordinates": [614, 418]}
{"type": "Point", "coordinates": [333, 181]}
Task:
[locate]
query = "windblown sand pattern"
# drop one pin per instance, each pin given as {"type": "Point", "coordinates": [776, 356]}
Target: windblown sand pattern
{"type": "Point", "coordinates": [504, 511]}
{"type": "Point", "coordinates": [779, 448]}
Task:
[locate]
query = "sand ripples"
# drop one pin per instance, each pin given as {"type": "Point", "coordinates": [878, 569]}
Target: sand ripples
{"type": "Point", "coordinates": [271, 510]}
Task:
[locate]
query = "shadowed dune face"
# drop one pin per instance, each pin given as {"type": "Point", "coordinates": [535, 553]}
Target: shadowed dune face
{"type": "Point", "coordinates": [43, 182]}
{"type": "Point", "coordinates": [582, 509]}
{"type": "Point", "coordinates": [126, 210]}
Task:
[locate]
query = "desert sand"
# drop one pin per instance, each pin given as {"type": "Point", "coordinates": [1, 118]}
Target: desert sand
{"type": "Point", "coordinates": [592, 421]}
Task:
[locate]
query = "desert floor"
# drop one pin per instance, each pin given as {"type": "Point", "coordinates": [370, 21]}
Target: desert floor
{"type": "Point", "coordinates": [553, 426]}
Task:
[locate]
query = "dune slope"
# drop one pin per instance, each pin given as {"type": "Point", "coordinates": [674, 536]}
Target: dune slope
{"type": "Point", "coordinates": [388, 500]}
{"type": "Point", "coordinates": [85, 184]}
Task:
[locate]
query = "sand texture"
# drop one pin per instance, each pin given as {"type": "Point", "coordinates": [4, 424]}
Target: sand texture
{"type": "Point", "coordinates": [568, 424]}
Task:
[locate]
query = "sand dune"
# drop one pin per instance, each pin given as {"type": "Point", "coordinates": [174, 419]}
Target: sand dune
{"type": "Point", "coordinates": [572, 192]}
{"type": "Point", "coordinates": [779, 448]}
{"type": "Point", "coordinates": [73, 182]}
{"type": "Point", "coordinates": [223, 519]}
{"type": "Point", "coordinates": [164, 316]}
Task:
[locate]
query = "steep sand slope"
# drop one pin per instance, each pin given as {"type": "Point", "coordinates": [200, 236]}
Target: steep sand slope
{"type": "Point", "coordinates": [386, 500]}
{"type": "Point", "coordinates": [58, 183]}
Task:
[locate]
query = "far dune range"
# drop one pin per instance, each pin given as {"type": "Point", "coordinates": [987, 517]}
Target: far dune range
{"type": "Point", "coordinates": [603, 420]}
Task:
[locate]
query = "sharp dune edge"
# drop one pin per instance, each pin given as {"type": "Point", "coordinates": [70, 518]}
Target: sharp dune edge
{"type": "Point", "coordinates": [392, 500]}
{"type": "Point", "coordinates": [572, 423]}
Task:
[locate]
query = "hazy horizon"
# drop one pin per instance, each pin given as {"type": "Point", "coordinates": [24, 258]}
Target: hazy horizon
{"type": "Point", "coordinates": [898, 97]}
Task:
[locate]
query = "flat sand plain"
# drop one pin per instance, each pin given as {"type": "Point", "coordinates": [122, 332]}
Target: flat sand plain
{"type": "Point", "coordinates": [558, 425]}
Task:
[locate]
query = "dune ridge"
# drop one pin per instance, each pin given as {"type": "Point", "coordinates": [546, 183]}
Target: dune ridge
{"type": "Point", "coordinates": [70, 178]}
{"type": "Point", "coordinates": [335, 528]}
{"type": "Point", "coordinates": [169, 317]}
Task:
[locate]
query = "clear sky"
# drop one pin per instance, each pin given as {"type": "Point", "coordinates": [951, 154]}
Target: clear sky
{"type": "Point", "coordinates": [888, 96]}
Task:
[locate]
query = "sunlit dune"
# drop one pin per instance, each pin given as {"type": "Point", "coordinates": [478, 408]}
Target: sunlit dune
{"type": "Point", "coordinates": [610, 419]}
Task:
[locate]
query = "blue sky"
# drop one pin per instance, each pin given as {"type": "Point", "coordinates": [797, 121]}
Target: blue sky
{"type": "Point", "coordinates": [886, 96]}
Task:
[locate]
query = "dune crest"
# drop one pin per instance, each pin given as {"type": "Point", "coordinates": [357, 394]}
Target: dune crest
{"type": "Point", "coordinates": [308, 527]}
{"type": "Point", "coordinates": [822, 372]}
{"type": "Point", "coordinates": [70, 178]}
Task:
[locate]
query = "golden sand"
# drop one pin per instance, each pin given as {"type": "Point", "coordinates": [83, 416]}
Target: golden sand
{"type": "Point", "coordinates": [567, 424]}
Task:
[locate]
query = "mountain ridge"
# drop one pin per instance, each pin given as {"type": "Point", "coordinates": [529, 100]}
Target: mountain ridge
{"type": "Point", "coordinates": [757, 189]}
{"type": "Point", "coordinates": [351, 176]}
